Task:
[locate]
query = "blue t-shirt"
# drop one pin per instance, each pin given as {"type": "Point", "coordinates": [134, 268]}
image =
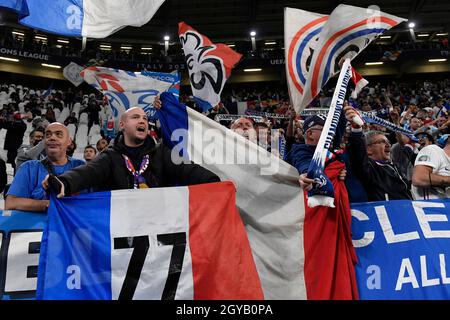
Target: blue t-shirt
{"type": "Point", "coordinates": [27, 182]}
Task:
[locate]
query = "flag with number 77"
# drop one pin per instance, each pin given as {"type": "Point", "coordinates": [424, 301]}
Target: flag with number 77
{"type": "Point", "coordinates": [164, 243]}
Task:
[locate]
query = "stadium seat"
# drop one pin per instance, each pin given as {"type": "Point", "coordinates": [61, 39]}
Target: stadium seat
{"type": "Point", "coordinates": [63, 115]}
{"type": "Point", "coordinates": [83, 118]}
{"type": "Point", "coordinates": [72, 129]}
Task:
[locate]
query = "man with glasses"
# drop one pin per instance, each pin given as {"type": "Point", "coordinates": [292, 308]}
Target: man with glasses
{"type": "Point", "coordinates": [370, 160]}
{"type": "Point", "coordinates": [26, 192]}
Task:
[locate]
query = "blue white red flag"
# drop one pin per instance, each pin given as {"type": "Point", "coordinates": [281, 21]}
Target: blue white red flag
{"type": "Point", "coordinates": [126, 89]}
{"type": "Point", "coordinates": [209, 65]}
{"type": "Point", "coordinates": [346, 33]}
{"type": "Point", "coordinates": [268, 196]}
{"type": "Point", "coordinates": [83, 18]}
{"type": "Point", "coordinates": [301, 33]}
{"type": "Point", "coordinates": [164, 243]}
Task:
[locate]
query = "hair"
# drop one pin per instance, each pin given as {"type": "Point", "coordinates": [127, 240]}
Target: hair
{"type": "Point", "coordinates": [369, 136]}
{"type": "Point", "coordinates": [90, 147]}
{"type": "Point", "coordinates": [38, 129]}
{"type": "Point", "coordinates": [261, 124]}
{"type": "Point", "coordinates": [238, 119]}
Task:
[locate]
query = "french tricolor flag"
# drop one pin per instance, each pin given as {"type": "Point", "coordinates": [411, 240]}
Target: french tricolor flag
{"type": "Point", "coordinates": [166, 243]}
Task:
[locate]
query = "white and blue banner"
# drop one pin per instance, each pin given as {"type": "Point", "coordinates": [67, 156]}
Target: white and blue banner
{"type": "Point", "coordinates": [20, 240]}
{"type": "Point", "coordinates": [403, 249]}
{"type": "Point", "coordinates": [345, 34]}
{"type": "Point", "coordinates": [83, 18]}
{"type": "Point", "coordinates": [126, 89]}
{"type": "Point", "coordinates": [301, 33]}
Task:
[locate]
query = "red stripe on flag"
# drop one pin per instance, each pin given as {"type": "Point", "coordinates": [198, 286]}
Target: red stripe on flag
{"type": "Point", "coordinates": [329, 254]}
{"type": "Point", "coordinates": [330, 41]}
{"type": "Point", "coordinates": [222, 261]}
{"type": "Point", "coordinates": [292, 47]}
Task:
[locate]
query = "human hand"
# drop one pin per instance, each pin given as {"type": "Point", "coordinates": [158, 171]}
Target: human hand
{"type": "Point", "coordinates": [342, 174]}
{"type": "Point", "coordinates": [305, 183]}
{"type": "Point", "coordinates": [52, 182]}
{"type": "Point", "coordinates": [353, 117]}
{"type": "Point", "coordinates": [157, 103]}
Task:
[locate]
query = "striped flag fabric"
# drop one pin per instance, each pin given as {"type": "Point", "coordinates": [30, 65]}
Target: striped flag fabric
{"type": "Point", "coordinates": [359, 83]}
{"type": "Point", "coordinates": [209, 65]}
{"type": "Point", "coordinates": [164, 243]}
{"type": "Point", "coordinates": [301, 32]}
{"type": "Point", "coordinates": [83, 18]}
{"type": "Point", "coordinates": [126, 89]}
{"type": "Point", "coordinates": [346, 33]}
{"type": "Point", "coordinates": [268, 195]}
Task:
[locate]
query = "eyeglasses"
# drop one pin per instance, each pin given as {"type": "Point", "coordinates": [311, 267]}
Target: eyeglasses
{"type": "Point", "coordinates": [383, 141]}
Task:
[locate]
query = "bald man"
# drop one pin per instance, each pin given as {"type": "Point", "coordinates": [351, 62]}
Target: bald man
{"type": "Point", "coordinates": [26, 192]}
{"type": "Point", "coordinates": [135, 161]}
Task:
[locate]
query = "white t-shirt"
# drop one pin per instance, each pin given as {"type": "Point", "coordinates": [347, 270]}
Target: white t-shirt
{"type": "Point", "coordinates": [435, 157]}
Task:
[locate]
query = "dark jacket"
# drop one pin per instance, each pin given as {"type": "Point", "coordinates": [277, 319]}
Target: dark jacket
{"type": "Point", "coordinates": [14, 134]}
{"type": "Point", "coordinates": [108, 171]}
{"type": "Point", "coordinates": [381, 180]}
{"type": "Point", "coordinates": [300, 157]}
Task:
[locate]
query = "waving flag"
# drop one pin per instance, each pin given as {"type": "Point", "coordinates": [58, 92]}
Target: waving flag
{"type": "Point", "coordinates": [347, 32]}
{"type": "Point", "coordinates": [125, 89]}
{"type": "Point", "coordinates": [209, 65]}
{"type": "Point", "coordinates": [268, 196]}
{"type": "Point", "coordinates": [83, 18]}
{"type": "Point", "coordinates": [359, 82]}
{"type": "Point", "coordinates": [301, 33]}
{"type": "Point", "coordinates": [174, 78]}
{"type": "Point", "coordinates": [72, 73]}
{"type": "Point", "coordinates": [19, 6]}
{"type": "Point", "coordinates": [171, 243]}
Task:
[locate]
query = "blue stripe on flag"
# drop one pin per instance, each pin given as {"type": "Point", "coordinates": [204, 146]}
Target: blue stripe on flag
{"type": "Point", "coordinates": [300, 52]}
{"type": "Point", "coordinates": [341, 43]}
{"type": "Point", "coordinates": [173, 117]}
{"type": "Point", "coordinates": [57, 16]}
{"type": "Point", "coordinates": [205, 105]}
{"type": "Point", "coordinates": [73, 226]}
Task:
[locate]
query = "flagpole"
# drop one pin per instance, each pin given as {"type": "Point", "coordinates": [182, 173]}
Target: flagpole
{"type": "Point", "coordinates": [323, 193]}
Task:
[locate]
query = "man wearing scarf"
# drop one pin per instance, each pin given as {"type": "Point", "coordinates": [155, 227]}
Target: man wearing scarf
{"type": "Point", "coordinates": [134, 162]}
{"type": "Point", "coordinates": [329, 253]}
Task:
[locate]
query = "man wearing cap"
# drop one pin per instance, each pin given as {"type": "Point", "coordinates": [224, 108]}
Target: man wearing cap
{"type": "Point", "coordinates": [431, 175]}
{"type": "Point", "coordinates": [328, 234]}
{"type": "Point", "coordinates": [370, 159]}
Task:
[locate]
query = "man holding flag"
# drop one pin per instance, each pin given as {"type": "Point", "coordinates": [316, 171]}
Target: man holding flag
{"type": "Point", "coordinates": [339, 38]}
{"type": "Point", "coordinates": [134, 162]}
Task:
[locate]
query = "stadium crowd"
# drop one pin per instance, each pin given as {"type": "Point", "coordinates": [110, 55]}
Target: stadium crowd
{"type": "Point", "coordinates": [415, 169]}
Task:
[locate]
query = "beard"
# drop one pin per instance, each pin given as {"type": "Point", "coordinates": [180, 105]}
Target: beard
{"type": "Point", "coordinates": [138, 141]}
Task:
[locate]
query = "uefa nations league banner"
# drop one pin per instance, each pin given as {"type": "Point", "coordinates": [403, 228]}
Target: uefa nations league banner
{"type": "Point", "coordinates": [402, 247]}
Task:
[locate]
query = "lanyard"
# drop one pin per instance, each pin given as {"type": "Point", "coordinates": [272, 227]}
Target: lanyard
{"type": "Point", "coordinates": [139, 181]}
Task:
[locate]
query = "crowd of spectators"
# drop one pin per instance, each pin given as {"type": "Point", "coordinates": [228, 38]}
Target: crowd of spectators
{"type": "Point", "coordinates": [422, 107]}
